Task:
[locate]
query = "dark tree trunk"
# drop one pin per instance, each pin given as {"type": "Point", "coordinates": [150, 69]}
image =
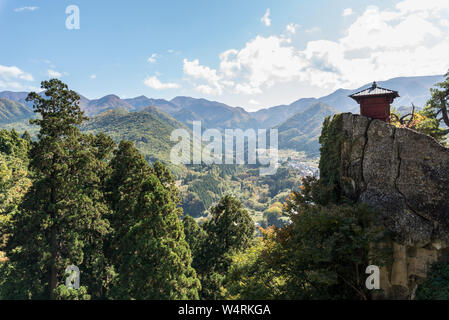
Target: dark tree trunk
{"type": "Point", "coordinates": [444, 112]}
{"type": "Point", "coordinates": [53, 247]}
{"type": "Point", "coordinates": [53, 271]}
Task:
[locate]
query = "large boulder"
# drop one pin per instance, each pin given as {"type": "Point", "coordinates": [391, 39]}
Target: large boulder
{"type": "Point", "coordinates": [404, 176]}
{"type": "Point", "coordinates": [400, 172]}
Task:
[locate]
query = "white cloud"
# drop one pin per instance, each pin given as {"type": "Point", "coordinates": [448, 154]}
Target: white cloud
{"type": "Point", "coordinates": [409, 40]}
{"type": "Point", "coordinates": [53, 73]}
{"type": "Point", "coordinates": [291, 28]}
{"type": "Point", "coordinates": [12, 85]}
{"type": "Point", "coordinates": [25, 9]}
{"type": "Point", "coordinates": [93, 76]}
{"type": "Point", "coordinates": [347, 12]}
{"type": "Point", "coordinates": [212, 83]}
{"type": "Point", "coordinates": [175, 52]}
{"type": "Point", "coordinates": [16, 86]}
{"type": "Point", "coordinates": [152, 58]}
{"type": "Point", "coordinates": [266, 18]}
{"type": "Point", "coordinates": [312, 30]}
{"type": "Point", "coordinates": [11, 78]}
{"type": "Point", "coordinates": [154, 83]}
{"type": "Point", "coordinates": [13, 72]}
{"type": "Point", "coordinates": [255, 102]}
{"type": "Point", "coordinates": [205, 89]}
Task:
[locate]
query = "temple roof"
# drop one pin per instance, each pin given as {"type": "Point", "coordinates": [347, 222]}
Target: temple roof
{"type": "Point", "coordinates": [374, 90]}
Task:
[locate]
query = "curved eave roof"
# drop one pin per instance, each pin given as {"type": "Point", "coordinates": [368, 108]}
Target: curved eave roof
{"type": "Point", "coordinates": [375, 91]}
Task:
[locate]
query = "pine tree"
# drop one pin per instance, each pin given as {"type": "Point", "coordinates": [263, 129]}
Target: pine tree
{"type": "Point", "coordinates": [438, 105]}
{"type": "Point", "coordinates": [149, 249]}
{"type": "Point", "coordinates": [127, 169]}
{"type": "Point", "coordinates": [61, 217]}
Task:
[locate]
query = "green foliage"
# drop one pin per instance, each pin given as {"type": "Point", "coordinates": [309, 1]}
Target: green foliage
{"type": "Point", "coordinates": [14, 179]}
{"type": "Point", "coordinates": [64, 293]}
{"type": "Point", "coordinates": [251, 275]}
{"type": "Point", "coordinates": [119, 219]}
{"type": "Point", "coordinates": [422, 121]}
{"type": "Point", "coordinates": [148, 248]}
{"type": "Point", "coordinates": [149, 130]}
{"type": "Point", "coordinates": [112, 215]}
{"type": "Point", "coordinates": [192, 204]}
{"type": "Point", "coordinates": [436, 284]}
{"type": "Point", "coordinates": [195, 235]}
{"type": "Point", "coordinates": [283, 180]}
{"type": "Point", "coordinates": [207, 189]}
{"type": "Point", "coordinates": [61, 218]}
{"type": "Point", "coordinates": [431, 126]}
{"type": "Point", "coordinates": [127, 168]}
{"type": "Point", "coordinates": [14, 183]}
{"type": "Point", "coordinates": [326, 248]}
{"type": "Point", "coordinates": [331, 141]}
{"type": "Point", "coordinates": [439, 102]}
{"type": "Point", "coordinates": [272, 215]}
{"type": "Point", "coordinates": [11, 144]}
{"type": "Point", "coordinates": [229, 230]}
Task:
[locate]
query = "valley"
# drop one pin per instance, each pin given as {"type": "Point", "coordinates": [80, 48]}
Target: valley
{"type": "Point", "coordinates": [148, 122]}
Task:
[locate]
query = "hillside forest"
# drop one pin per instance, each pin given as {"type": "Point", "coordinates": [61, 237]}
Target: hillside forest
{"type": "Point", "coordinates": [101, 194]}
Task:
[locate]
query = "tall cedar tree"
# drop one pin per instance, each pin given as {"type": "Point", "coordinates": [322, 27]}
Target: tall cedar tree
{"type": "Point", "coordinates": [61, 220]}
{"type": "Point", "coordinates": [230, 230]}
{"type": "Point", "coordinates": [195, 235]}
{"type": "Point", "coordinates": [128, 169]}
{"type": "Point", "coordinates": [149, 249]}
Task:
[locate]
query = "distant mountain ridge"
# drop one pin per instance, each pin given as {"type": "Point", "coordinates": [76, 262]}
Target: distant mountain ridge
{"type": "Point", "coordinates": [149, 128]}
{"type": "Point", "coordinates": [140, 118]}
{"type": "Point", "coordinates": [301, 131]}
{"type": "Point", "coordinates": [13, 111]}
{"type": "Point", "coordinates": [214, 114]}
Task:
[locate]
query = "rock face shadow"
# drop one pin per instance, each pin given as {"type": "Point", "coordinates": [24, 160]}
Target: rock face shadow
{"type": "Point", "coordinates": [404, 176]}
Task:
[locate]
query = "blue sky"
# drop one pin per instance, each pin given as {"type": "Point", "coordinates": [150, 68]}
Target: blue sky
{"type": "Point", "coordinates": [251, 53]}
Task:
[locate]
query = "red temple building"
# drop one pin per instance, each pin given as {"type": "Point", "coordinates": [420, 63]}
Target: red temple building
{"type": "Point", "coordinates": [375, 102]}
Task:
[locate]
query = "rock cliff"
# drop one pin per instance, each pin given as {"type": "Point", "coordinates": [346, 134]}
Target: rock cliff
{"type": "Point", "coordinates": [404, 176]}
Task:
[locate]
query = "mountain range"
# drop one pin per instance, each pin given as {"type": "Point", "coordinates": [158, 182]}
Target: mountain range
{"type": "Point", "coordinates": [11, 110]}
{"type": "Point", "coordinates": [298, 123]}
{"type": "Point", "coordinates": [149, 129]}
{"type": "Point", "coordinates": [301, 131]}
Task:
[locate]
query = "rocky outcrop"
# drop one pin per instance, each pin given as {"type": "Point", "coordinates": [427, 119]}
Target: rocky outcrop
{"type": "Point", "coordinates": [404, 176]}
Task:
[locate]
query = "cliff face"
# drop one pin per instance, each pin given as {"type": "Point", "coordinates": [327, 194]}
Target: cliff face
{"type": "Point", "coordinates": [404, 176]}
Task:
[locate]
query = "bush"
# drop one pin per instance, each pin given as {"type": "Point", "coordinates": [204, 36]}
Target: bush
{"type": "Point", "coordinates": [64, 293]}
{"type": "Point", "coordinates": [436, 285]}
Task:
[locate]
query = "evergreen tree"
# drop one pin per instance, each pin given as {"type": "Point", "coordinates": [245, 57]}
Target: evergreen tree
{"type": "Point", "coordinates": [62, 215]}
{"type": "Point", "coordinates": [437, 106]}
{"type": "Point", "coordinates": [149, 249]}
{"type": "Point", "coordinates": [127, 170]}
{"type": "Point", "coordinates": [195, 235]}
{"type": "Point", "coordinates": [229, 231]}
